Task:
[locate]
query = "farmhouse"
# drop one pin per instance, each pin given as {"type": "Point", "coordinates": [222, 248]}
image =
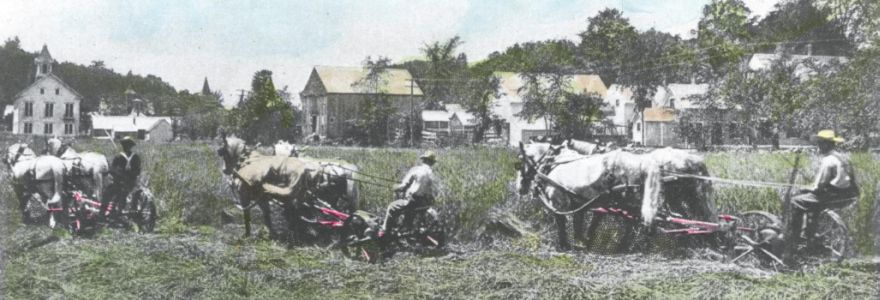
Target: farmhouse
{"type": "Point", "coordinates": [660, 125]}
{"type": "Point", "coordinates": [48, 106]}
{"type": "Point", "coordinates": [510, 104]}
{"type": "Point", "coordinates": [136, 125]}
{"type": "Point", "coordinates": [451, 126]}
{"type": "Point", "coordinates": [334, 96]}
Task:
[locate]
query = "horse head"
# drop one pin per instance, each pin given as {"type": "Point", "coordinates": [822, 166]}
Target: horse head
{"type": "Point", "coordinates": [16, 152]}
{"type": "Point", "coordinates": [532, 156]}
{"type": "Point", "coordinates": [232, 150]}
{"type": "Point", "coordinates": [56, 146]}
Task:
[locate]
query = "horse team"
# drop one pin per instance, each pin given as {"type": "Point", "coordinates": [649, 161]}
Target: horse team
{"type": "Point", "coordinates": [569, 178]}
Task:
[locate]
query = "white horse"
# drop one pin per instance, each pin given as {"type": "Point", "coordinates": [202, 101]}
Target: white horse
{"type": "Point", "coordinates": [34, 175]}
{"type": "Point", "coordinates": [584, 181]}
{"type": "Point", "coordinates": [87, 169]}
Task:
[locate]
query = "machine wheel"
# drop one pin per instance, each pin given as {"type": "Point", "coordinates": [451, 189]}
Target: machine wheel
{"type": "Point", "coordinates": [759, 237]}
{"type": "Point", "coordinates": [145, 213]}
{"type": "Point", "coordinates": [833, 236]}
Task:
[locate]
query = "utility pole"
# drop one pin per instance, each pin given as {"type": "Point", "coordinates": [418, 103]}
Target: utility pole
{"type": "Point", "coordinates": [412, 113]}
{"type": "Point", "coordinates": [241, 97]}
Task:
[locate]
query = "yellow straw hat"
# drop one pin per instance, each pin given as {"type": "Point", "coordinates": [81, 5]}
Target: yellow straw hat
{"type": "Point", "coordinates": [429, 155]}
{"type": "Point", "coordinates": [828, 135]}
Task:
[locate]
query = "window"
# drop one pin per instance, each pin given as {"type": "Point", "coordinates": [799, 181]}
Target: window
{"type": "Point", "coordinates": [672, 103]}
{"type": "Point", "coordinates": [42, 91]}
{"type": "Point", "coordinates": [50, 110]}
{"type": "Point", "coordinates": [617, 102]}
{"type": "Point", "coordinates": [47, 128]}
{"type": "Point", "coordinates": [638, 126]}
{"type": "Point", "coordinates": [28, 109]}
{"type": "Point", "coordinates": [68, 128]}
{"type": "Point", "coordinates": [28, 128]}
{"type": "Point", "coordinates": [68, 110]}
{"type": "Point", "coordinates": [57, 91]}
{"type": "Point", "coordinates": [44, 69]}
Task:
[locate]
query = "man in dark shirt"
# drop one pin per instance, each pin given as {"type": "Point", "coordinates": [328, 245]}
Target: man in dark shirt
{"type": "Point", "coordinates": [125, 169]}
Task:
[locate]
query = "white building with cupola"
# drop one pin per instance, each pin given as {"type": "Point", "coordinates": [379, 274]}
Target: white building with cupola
{"type": "Point", "coordinates": [48, 106]}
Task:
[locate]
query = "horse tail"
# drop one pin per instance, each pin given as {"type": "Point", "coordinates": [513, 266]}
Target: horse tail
{"type": "Point", "coordinates": [651, 197]}
{"type": "Point", "coordinates": [57, 169]}
{"type": "Point", "coordinates": [351, 187]}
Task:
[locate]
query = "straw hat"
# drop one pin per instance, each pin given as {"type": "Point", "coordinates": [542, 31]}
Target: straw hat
{"type": "Point", "coordinates": [829, 136]}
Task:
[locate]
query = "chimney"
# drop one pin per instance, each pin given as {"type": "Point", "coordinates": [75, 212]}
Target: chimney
{"type": "Point", "coordinates": [809, 49]}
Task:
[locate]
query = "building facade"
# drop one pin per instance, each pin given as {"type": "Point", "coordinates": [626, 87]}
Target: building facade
{"type": "Point", "coordinates": [510, 103]}
{"type": "Point", "coordinates": [48, 106]}
{"type": "Point", "coordinates": [333, 97]}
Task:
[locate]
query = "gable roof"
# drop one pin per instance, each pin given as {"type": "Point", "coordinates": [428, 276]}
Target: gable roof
{"type": "Point", "coordinates": [343, 80]}
{"type": "Point", "coordinates": [435, 116]}
{"type": "Point", "coordinates": [659, 114]}
{"type": "Point", "coordinates": [8, 110]}
{"type": "Point", "coordinates": [763, 61]}
{"type": "Point", "coordinates": [510, 83]}
{"type": "Point", "coordinates": [48, 76]}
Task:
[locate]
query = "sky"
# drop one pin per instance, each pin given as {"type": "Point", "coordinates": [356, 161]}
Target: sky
{"type": "Point", "coordinates": [184, 42]}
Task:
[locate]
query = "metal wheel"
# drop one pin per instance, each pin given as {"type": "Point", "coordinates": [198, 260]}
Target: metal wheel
{"type": "Point", "coordinates": [432, 235]}
{"type": "Point", "coordinates": [145, 212]}
{"type": "Point", "coordinates": [759, 239]}
{"type": "Point", "coordinates": [833, 236]}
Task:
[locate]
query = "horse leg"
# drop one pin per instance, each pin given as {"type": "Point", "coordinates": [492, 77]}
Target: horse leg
{"type": "Point", "coordinates": [22, 202]}
{"type": "Point", "coordinates": [578, 221]}
{"type": "Point", "coordinates": [562, 234]}
{"type": "Point", "coordinates": [266, 209]}
{"type": "Point", "coordinates": [628, 235]}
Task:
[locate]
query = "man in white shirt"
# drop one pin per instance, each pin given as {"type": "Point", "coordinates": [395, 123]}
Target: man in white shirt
{"type": "Point", "coordinates": [418, 185]}
{"type": "Point", "coordinates": [835, 185]}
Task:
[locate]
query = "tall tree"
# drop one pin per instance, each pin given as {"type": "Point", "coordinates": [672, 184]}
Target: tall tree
{"type": "Point", "coordinates": [264, 116]}
{"type": "Point", "coordinates": [446, 73]}
{"type": "Point", "coordinates": [604, 43]}
{"type": "Point", "coordinates": [483, 89]}
{"type": "Point", "coordinates": [722, 34]}
{"type": "Point", "coordinates": [376, 111]}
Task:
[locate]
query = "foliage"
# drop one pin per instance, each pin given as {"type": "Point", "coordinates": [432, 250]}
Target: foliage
{"type": "Point", "coordinates": [608, 36]}
{"type": "Point", "coordinates": [482, 89]}
{"type": "Point", "coordinates": [264, 116]}
{"type": "Point", "coordinates": [723, 32]}
{"type": "Point", "coordinates": [531, 57]}
{"type": "Point", "coordinates": [376, 112]}
{"type": "Point", "coordinates": [446, 75]}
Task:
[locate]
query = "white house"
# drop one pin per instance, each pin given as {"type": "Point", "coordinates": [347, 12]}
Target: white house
{"type": "Point", "coordinates": [136, 125]}
{"type": "Point", "coordinates": [763, 61]}
{"type": "Point", "coordinates": [510, 103]}
{"type": "Point", "coordinates": [619, 108]}
{"type": "Point", "coordinates": [48, 106]}
{"type": "Point", "coordinates": [659, 125]}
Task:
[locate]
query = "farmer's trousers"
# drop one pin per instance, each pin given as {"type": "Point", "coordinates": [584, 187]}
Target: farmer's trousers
{"type": "Point", "coordinates": [817, 202]}
{"type": "Point", "coordinates": [398, 207]}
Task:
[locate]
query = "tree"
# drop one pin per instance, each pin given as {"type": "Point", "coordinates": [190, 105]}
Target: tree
{"type": "Point", "coordinates": [264, 116]}
{"type": "Point", "coordinates": [376, 111]}
{"type": "Point", "coordinates": [446, 73]}
{"type": "Point", "coordinates": [482, 89]}
{"type": "Point", "coordinates": [722, 34]}
{"type": "Point", "coordinates": [603, 44]}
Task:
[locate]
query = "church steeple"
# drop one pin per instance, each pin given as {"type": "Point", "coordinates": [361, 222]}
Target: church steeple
{"type": "Point", "coordinates": [43, 63]}
{"type": "Point", "coordinates": [206, 89]}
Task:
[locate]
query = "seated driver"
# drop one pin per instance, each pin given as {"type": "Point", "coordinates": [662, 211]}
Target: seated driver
{"type": "Point", "coordinates": [418, 185]}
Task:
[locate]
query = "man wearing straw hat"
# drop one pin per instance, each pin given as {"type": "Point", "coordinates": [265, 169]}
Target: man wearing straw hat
{"type": "Point", "coordinates": [835, 185]}
{"type": "Point", "coordinates": [418, 188]}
